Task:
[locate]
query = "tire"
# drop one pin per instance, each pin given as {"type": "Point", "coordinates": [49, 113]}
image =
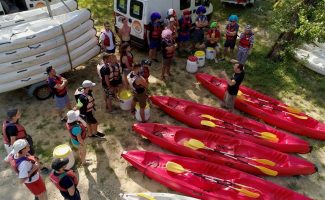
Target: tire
{"type": "Point", "coordinates": [42, 92]}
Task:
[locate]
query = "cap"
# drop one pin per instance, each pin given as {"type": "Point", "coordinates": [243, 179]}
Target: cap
{"type": "Point", "coordinates": [213, 25]}
{"type": "Point", "coordinates": [73, 115]}
{"type": "Point", "coordinates": [12, 112]}
{"type": "Point", "coordinates": [170, 11]}
{"type": "Point", "coordinates": [58, 163]}
{"type": "Point", "coordinates": [88, 84]}
{"type": "Point", "coordinates": [18, 146]}
{"type": "Point", "coordinates": [248, 27]}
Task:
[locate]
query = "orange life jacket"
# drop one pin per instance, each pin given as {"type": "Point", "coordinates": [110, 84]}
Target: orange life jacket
{"type": "Point", "coordinates": [56, 179]}
{"type": "Point", "coordinates": [70, 126]}
{"type": "Point", "coordinates": [56, 91]}
{"type": "Point", "coordinates": [21, 132]}
{"type": "Point", "coordinates": [216, 33]}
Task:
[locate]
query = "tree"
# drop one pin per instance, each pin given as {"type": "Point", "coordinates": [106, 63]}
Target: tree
{"type": "Point", "coordinates": [297, 21]}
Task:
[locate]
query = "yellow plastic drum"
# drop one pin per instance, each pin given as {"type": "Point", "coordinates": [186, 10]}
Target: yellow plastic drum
{"type": "Point", "coordinates": [126, 98]}
{"type": "Point", "coordinates": [64, 151]}
{"type": "Point", "coordinates": [210, 53]}
{"type": "Point", "coordinates": [200, 57]}
{"type": "Point", "coordinates": [146, 112]}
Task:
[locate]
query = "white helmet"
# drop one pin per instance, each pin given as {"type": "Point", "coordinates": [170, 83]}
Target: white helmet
{"type": "Point", "coordinates": [170, 12]}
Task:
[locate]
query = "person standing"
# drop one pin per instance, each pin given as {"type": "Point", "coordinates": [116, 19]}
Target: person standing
{"type": "Point", "coordinates": [77, 128]}
{"type": "Point", "coordinates": [86, 105]}
{"type": "Point", "coordinates": [233, 86]}
{"type": "Point", "coordinates": [246, 41]}
{"type": "Point", "coordinates": [171, 13]}
{"type": "Point", "coordinates": [65, 180]}
{"type": "Point", "coordinates": [168, 51]}
{"type": "Point", "coordinates": [185, 25]}
{"type": "Point", "coordinates": [107, 39]}
{"type": "Point", "coordinates": [145, 71]}
{"type": "Point", "coordinates": [12, 131]}
{"type": "Point", "coordinates": [155, 29]}
{"type": "Point", "coordinates": [231, 35]}
{"type": "Point", "coordinates": [125, 32]}
{"type": "Point", "coordinates": [27, 167]}
{"type": "Point", "coordinates": [111, 75]}
{"type": "Point", "coordinates": [58, 86]}
{"type": "Point", "coordinates": [213, 38]}
{"type": "Point", "coordinates": [126, 60]}
{"type": "Point", "coordinates": [139, 87]}
{"type": "Point", "coordinates": [200, 23]}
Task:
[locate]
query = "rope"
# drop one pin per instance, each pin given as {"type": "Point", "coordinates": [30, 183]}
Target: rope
{"type": "Point", "coordinates": [66, 45]}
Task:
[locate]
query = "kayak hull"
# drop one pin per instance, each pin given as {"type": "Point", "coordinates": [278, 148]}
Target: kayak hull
{"type": "Point", "coordinates": [154, 196]}
{"type": "Point", "coordinates": [172, 138]}
{"type": "Point", "coordinates": [266, 108]}
{"type": "Point", "coordinates": [153, 165]}
{"type": "Point", "coordinates": [190, 113]}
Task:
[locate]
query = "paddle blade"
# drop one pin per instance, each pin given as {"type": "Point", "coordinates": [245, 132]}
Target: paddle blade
{"type": "Point", "coordinates": [265, 162]}
{"type": "Point", "coordinates": [208, 117]}
{"type": "Point", "coordinates": [298, 116]}
{"type": "Point", "coordinates": [268, 134]}
{"type": "Point", "coordinates": [208, 123]}
{"type": "Point", "coordinates": [291, 109]}
{"type": "Point", "coordinates": [267, 171]}
{"type": "Point", "coordinates": [196, 143]}
{"type": "Point", "coordinates": [146, 196]}
{"type": "Point", "coordinates": [248, 193]}
{"type": "Point", "coordinates": [187, 144]}
{"type": "Point", "coordinates": [275, 140]}
{"type": "Point", "coordinates": [175, 167]}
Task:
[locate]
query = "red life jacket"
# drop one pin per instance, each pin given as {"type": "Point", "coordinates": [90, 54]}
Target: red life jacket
{"type": "Point", "coordinates": [185, 25]}
{"type": "Point", "coordinates": [107, 41]}
{"type": "Point", "coordinates": [56, 179]}
{"type": "Point", "coordinates": [216, 33]}
{"type": "Point", "coordinates": [169, 54]}
{"type": "Point", "coordinates": [21, 132]}
{"type": "Point", "coordinates": [245, 41]}
{"type": "Point", "coordinates": [156, 31]}
{"type": "Point", "coordinates": [14, 163]}
{"type": "Point", "coordinates": [72, 125]}
{"type": "Point", "coordinates": [231, 28]}
{"type": "Point", "coordinates": [145, 72]}
{"type": "Point", "coordinates": [129, 58]}
{"type": "Point", "coordinates": [56, 91]}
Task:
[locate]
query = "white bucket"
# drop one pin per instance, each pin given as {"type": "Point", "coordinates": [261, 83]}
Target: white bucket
{"type": "Point", "coordinates": [210, 53]}
{"type": "Point", "coordinates": [64, 151]}
{"type": "Point", "coordinates": [126, 99]}
{"type": "Point", "coordinates": [146, 112]}
{"type": "Point", "coordinates": [192, 65]}
{"type": "Point", "coordinates": [200, 57]}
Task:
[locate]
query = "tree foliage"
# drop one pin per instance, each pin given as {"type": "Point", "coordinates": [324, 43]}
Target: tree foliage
{"type": "Point", "coordinates": [297, 21]}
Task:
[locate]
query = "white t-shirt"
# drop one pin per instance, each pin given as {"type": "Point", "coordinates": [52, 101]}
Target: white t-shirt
{"type": "Point", "coordinates": [110, 36]}
{"type": "Point", "coordinates": [23, 168]}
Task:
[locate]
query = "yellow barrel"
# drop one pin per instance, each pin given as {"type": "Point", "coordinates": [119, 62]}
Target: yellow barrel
{"type": "Point", "coordinates": [201, 57]}
{"type": "Point", "coordinates": [64, 151]}
{"type": "Point", "coordinates": [126, 98]}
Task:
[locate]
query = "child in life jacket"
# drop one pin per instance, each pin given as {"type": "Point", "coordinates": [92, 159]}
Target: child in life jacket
{"type": "Point", "coordinates": [155, 29]}
{"type": "Point", "coordinates": [144, 71]}
{"type": "Point", "coordinates": [27, 167]}
{"type": "Point", "coordinates": [185, 25]}
{"type": "Point", "coordinates": [231, 35]}
{"type": "Point", "coordinates": [171, 13]}
{"type": "Point", "coordinates": [107, 39]}
{"type": "Point", "coordinates": [246, 41]}
{"type": "Point", "coordinates": [168, 51]}
{"type": "Point", "coordinates": [200, 23]}
{"type": "Point", "coordinates": [213, 38]}
{"type": "Point", "coordinates": [65, 180]}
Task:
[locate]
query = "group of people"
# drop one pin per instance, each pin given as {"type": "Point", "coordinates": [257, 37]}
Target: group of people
{"type": "Point", "coordinates": [117, 75]}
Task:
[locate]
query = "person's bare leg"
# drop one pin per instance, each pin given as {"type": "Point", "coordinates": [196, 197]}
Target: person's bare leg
{"type": "Point", "coordinates": [94, 128]}
{"type": "Point", "coordinates": [109, 104]}
{"type": "Point", "coordinates": [42, 196]}
{"type": "Point", "coordinates": [82, 153]}
{"type": "Point", "coordinates": [142, 115]}
{"type": "Point", "coordinates": [163, 72]}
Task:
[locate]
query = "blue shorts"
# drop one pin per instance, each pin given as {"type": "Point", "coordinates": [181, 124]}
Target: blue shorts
{"type": "Point", "coordinates": [183, 38]}
{"type": "Point", "coordinates": [154, 44]}
{"type": "Point", "coordinates": [61, 102]}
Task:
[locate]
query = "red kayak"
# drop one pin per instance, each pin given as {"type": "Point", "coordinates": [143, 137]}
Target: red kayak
{"type": "Point", "coordinates": [218, 120]}
{"type": "Point", "coordinates": [266, 108]}
{"type": "Point", "coordinates": [225, 150]}
{"type": "Point", "coordinates": [204, 180]}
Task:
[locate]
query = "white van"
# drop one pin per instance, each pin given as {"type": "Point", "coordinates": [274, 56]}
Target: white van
{"type": "Point", "coordinates": [242, 2]}
{"type": "Point", "coordinates": [139, 11]}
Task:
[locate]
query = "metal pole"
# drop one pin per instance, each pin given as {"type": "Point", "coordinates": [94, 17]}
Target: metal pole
{"type": "Point", "coordinates": [49, 8]}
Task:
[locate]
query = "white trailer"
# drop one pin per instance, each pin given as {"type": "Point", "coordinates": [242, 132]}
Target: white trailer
{"type": "Point", "coordinates": [241, 2]}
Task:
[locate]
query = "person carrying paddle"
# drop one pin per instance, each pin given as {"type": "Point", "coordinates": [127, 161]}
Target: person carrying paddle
{"type": "Point", "coordinates": [58, 86]}
{"type": "Point", "coordinates": [231, 35]}
{"type": "Point", "coordinates": [107, 39]}
{"type": "Point", "coordinates": [233, 86]}
{"type": "Point", "coordinates": [246, 41]}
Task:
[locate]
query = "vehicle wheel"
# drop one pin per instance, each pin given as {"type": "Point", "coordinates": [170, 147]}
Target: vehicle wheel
{"type": "Point", "coordinates": [42, 92]}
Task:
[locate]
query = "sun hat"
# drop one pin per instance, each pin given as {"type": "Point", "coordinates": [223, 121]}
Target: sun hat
{"type": "Point", "coordinates": [155, 15]}
{"type": "Point", "coordinates": [12, 112]}
{"type": "Point", "coordinates": [18, 146]}
{"type": "Point", "coordinates": [166, 33]}
{"type": "Point", "coordinates": [73, 115]}
{"type": "Point", "coordinates": [201, 9]}
{"type": "Point", "coordinates": [171, 12]}
{"type": "Point", "coordinates": [248, 27]}
{"type": "Point", "coordinates": [88, 84]}
{"type": "Point", "coordinates": [233, 18]}
{"type": "Point", "coordinates": [58, 163]}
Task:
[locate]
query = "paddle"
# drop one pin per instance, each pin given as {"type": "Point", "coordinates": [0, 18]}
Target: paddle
{"type": "Point", "coordinates": [197, 144]}
{"type": "Point", "coordinates": [241, 97]}
{"type": "Point", "coordinates": [268, 134]}
{"type": "Point", "coordinates": [288, 108]}
{"type": "Point", "coordinates": [146, 196]}
{"type": "Point", "coordinates": [213, 125]}
{"type": "Point", "coordinates": [177, 168]}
